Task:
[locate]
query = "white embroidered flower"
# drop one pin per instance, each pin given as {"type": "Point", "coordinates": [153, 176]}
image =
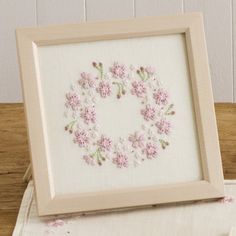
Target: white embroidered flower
{"type": "Point", "coordinates": [65, 114]}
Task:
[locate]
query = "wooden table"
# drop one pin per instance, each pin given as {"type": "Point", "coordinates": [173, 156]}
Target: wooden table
{"type": "Point", "coordinates": [14, 156]}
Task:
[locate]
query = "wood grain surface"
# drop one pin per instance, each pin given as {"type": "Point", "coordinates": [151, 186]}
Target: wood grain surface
{"type": "Point", "coordinates": [14, 156]}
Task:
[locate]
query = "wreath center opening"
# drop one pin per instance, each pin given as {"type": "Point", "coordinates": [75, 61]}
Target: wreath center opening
{"type": "Point", "coordinates": [119, 117]}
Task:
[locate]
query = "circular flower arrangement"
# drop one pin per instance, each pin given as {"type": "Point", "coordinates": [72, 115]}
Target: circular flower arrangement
{"type": "Point", "coordinates": [156, 110]}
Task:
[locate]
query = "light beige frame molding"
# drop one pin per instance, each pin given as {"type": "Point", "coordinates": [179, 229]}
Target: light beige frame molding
{"type": "Point", "coordinates": [191, 25]}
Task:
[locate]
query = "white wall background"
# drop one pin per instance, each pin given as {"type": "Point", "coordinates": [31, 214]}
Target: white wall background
{"type": "Point", "coordinates": [219, 16]}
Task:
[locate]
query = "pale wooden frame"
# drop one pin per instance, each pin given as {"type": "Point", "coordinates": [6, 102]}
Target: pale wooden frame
{"type": "Point", "coordinates": [189, 24]}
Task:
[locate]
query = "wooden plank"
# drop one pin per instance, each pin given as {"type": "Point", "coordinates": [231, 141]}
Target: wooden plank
{"type": "Point", "coordinates": [226, 121]}
{"type": "Point", "coordinates": [106, 9]}
{"type": "Point", "coordinates": [14, 159]}
{"type": "Point", "coordinates": [14, 156]}
{"type": "Point", "coordinates": [13, 14]}
{"type": "Point", "coordinates": [158, 7]}
{"type": "Point", "coordinates": [218, 26]}
{"type": "Point", "coordinates": [59, 11]}
{"type": "Point", "coordinates": [7, 221]}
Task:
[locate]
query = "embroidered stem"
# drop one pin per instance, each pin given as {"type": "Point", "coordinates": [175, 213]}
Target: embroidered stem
{"type": "Point", "coordinates": [143, 74]}
{"type": "Point", "coordinates": [163, 143]}
{"type": "Point", "coordinates": [99, 67]}
{"type": "Point", "coordinates": [121, 90]}
{"type": "Point", "coordinates": [101, 71]}
{"type": "Point", "coordinates": [98, 155]}
{"type": "Point", "coordinates": [70, 126]}
{"type": "Point", "coordinates": [169, 110]}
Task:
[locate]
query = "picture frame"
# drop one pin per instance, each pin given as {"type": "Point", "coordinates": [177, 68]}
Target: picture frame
{"type": "Point", "coordinates": [51, 57]}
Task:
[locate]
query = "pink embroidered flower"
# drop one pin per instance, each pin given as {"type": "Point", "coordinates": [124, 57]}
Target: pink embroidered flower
{"type": "Point", "coordinates": [89, 160]}
{"type": "Point", "coordinates": [148, 113]}
{"type": "Point", "coordinates": [118, 70]}
{"type": "Point", "coordinates": [150, 70]}
{"type": "Point", "coordinates": [137, 140]}
{"type": "Point", "coordinates": [89, 115]}
{"type": "Point", "coordinates": [163, 126]}
{"type": "Point", "coordinates": [56, 223]}
{"type": "Point", "coordinates": [81, 138]}
{"type": "Point", "coordinates": [104, 143]}
{"type": "Point", "coordinates": [151, 150]}
{"type": "Point", "coordinates": [120, 160]}
{"type": "Point", "coordinates": [226, 199]}
{"type": "Point", "coordinates": [72, 101]}
{"type": "Point", "coordinates": [138, 89]}
{"type": "Point", "coordinates": [161, 97]}
{"type": "Point", "coordinates": [86, 81]}
{"type": "Point", "coordinates": [104, 89]}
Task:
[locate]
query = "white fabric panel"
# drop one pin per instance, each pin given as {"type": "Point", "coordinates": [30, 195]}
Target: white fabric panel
{"type": "Point", "coordinates": [197, 219]}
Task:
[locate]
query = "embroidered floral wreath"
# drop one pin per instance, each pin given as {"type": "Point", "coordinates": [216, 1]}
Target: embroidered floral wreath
{"type": "Point", "coordinates": [139, 146]}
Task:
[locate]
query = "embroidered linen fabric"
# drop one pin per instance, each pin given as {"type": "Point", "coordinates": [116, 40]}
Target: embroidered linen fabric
{"type": "Point", "coordinates": [215, 218]}
{"type": "Point", "coordinates": [125, 70]}
{"type": "Point", "coordinates": [113, 82]}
